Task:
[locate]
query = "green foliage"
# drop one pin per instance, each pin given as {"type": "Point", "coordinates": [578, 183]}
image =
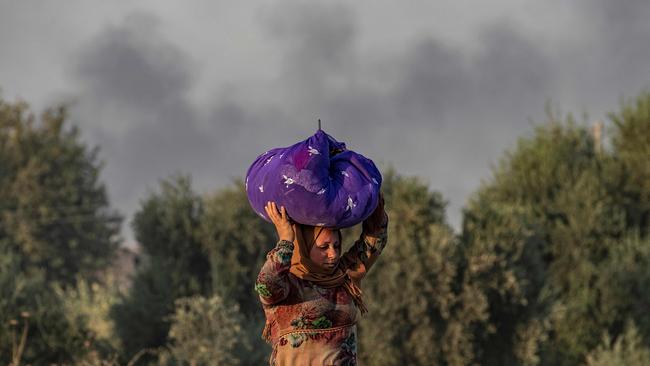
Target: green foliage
{"type": "Point", "coordinates": [627, 350]}
{"type": "Point", "coordinates": [542, 222]}
{"type": "Point", "coordinates": [207, 331]}
{"type": "Point", "coordinates": [141, 317]}
{"type": "Point", "coordinates": [55, 225]}
{"type": "Point", "coordinates": [53, 209]}
{"type": "Point", "coordinates": [550, 230]}
{"type": "Point", "coordinates": [193, 245]}
{"type": "Point", "coordinates": [27, 299]}
{"type": "Point", "coordinates": [623, 285]}
{"type": "Point", "coordinates": [237, 241]}
{"type": "Point", "coordinates": [414, 316]}
{"type": "Point", "coordinates": [166, 226]}
{"type": "Point", "coordinates": [631, 143]}
{"type": "Point", "coordinates": [551, 264]}
{"type": "Point", "coordinates": [88, 305]}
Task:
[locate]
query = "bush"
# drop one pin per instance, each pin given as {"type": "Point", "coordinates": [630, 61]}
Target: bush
{"type": "Point", "coordinates": [627, 350]}
{"type": "Point", "coordinates": [27, 300]}
{"type": "Point", "coordinates": [207, 331]}
{"type": "Point", "coordinates": [87, 305]}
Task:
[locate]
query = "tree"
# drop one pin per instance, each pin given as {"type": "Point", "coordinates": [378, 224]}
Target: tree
{"type": "Point", "coordinates": [543, 220]}
{"type": "Point", "coordinates": [631, 149]}
{"type": "Point", "coordinates": [176, 265]}
{"type": "Point", "coordinates": [27, 303]}
{"type": "Point", "coordinates": [237, 241]}
{"type": "Point", "coordinates": [55, 225]}
{"type": "Point", "coordinates": [54, 211]}
{"type": "Point", "coordinates": [418, 313]}
{"type": "Point", "coordinates": [553, 223]}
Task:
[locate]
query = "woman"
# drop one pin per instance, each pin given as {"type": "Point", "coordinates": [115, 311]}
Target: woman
{"type": "Point", "coordinates": [310, 292]}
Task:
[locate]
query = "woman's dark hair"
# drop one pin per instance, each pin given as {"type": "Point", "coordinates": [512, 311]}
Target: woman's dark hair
{"type": "Point", "coordinates": [340, 236]}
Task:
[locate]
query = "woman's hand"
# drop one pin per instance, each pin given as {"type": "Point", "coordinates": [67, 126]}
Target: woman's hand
{"type": "Point", "coordinates": [281, 221]}
{"type": "Point", "coordinates": [378, 219]}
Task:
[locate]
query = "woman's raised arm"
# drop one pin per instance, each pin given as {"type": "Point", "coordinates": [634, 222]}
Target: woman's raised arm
{"type": "Point", "coordinates": [272, 282]}
{"type": "Point", "coordinates": [374, 237]}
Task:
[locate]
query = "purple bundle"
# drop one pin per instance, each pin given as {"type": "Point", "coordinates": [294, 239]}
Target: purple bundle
{"type": "Point", "coordinates": [317, 180]}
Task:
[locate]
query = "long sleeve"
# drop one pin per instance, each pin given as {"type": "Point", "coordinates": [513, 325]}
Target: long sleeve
{"type": "Point", "coordinates": [365, 251]}
{"type": "Point", "coordinates": [272, 283]}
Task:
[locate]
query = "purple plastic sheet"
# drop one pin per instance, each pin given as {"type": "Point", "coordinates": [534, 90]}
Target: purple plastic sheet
{"type": "Point", "coordinates": [319, 182]}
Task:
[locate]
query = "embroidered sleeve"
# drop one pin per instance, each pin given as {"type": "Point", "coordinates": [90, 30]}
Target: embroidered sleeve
{"type": "Point", "coordinates": [272, 283]}
{"type": "Point", "coordinates": [367, 249]}
{"type": "Point", "coordinates": [370, 247]}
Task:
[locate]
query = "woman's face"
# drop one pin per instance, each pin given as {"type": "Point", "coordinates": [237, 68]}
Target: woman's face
{"type": "Point", "coordinates": [326, 251]}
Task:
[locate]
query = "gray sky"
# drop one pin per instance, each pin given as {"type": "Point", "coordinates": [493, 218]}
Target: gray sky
{"type": "Point", "coordinates": [438, 89]}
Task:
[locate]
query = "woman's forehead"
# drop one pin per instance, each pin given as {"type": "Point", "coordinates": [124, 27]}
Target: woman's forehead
{"type": "Point", "coordinates": [328, 235]}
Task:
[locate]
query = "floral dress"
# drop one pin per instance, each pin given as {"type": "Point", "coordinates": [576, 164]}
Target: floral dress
{"type": "Point", "coordinates": [309, 324]}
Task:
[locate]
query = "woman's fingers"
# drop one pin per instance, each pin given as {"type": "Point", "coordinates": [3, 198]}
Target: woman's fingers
{"type": "Point", "coordinates": [277, 216]}
{"type": "Point", "coordinates": [269, 212]}
{"type": "Point", "coordinates": [285, 215]}
{"type": "Point", "coordinates": [276, 212]}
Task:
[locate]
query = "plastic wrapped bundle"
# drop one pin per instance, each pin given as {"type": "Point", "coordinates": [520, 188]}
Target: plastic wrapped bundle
{"type": "Point", "coordinates": [319, 182]}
